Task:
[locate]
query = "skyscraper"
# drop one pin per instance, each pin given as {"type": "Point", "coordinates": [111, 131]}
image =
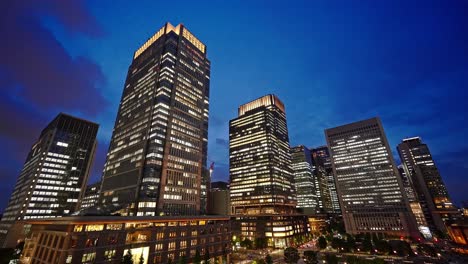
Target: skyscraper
{"type": "Point", "coordinates": [429, 188]}
{"type": "Point", "coordinates": [414, 203]}
{"type": "Point", "coordinates": [261, 177]}
{"type": "Point", "coordinates": [323, 172]}
{"type": "Point", "coordinates": [262, 189]}
{"type": "Point", "coordinates": [370, 192]}
{"type": "Point", "coordinates": [55, 173]}
{"type": "Point", "coordinates": [158, 148]}
{"type": "Point", "coordinates": [304, 180]}
{"type": "Point", "coordinates": [91, 196]}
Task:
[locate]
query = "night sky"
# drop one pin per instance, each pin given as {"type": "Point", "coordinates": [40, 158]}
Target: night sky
{"type": "Point", "coordinates": [331, 63]}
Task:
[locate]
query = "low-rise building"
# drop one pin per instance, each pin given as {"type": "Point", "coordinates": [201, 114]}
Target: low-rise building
{"type": "Point", "coordinates": [277, 231]}
{"type": "Point", "coordinates": [107, 239]}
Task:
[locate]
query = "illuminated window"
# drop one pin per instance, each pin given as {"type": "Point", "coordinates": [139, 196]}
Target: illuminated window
{"type": "Point", "coordinates": [90, 228]}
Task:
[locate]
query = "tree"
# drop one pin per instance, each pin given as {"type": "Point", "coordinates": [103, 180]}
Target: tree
{"type": "Point", "coordinates": [404, 248]}
{"type": "Point", "coordinates": [310, 257]}
{"type": "Point", "coordinates": [259, 261]}
{"type": "Point", "coordinates": [142, 260]}
{"type": "Point", "coordinates": [247, 243]}
{"type": "Point", "coordinates": [261, 242]}
{"type": "Point", "coordinates": [6, 254]}
{"type": "Point", "coordinates": [378, 261]}
{"type": "Point", "coordinates": [291, 255]}
{"type": "Point", "coordinates": [336, 243]}
{"type": "Point", "coordinates": [128, 258]}
{"type": "Point", "coordinates": [331, 259]}
{"type": "Point", "coordinates": [183, 260]}
{"type": "Point", "coordinates": [207, 256]}
{"type": "Point", "coordinates": [350, 242]}
{"type": "Point", "coordinates": [367, 243]}
{"type": "Point", "coordinates": [197, 258]}
{"type": "Point", "coordinates": [322, 242]}
{"type": "Point", "coordinates": [382, 246]}
{"type": "Point", "coordinates": [268, 259]}
{"type": "Point", "coordinates": [427, 249]}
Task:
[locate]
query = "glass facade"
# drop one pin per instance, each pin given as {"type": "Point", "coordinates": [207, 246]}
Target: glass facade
{"type": "Point", "coordinates": [369, 189]}
{"type": "Point", "coordinates": [429, 189]}
{"type": "Point", "coordinates": [323, 173]}
{"type": "Point", "coordinates": [157, 153]}
{"type": "Point", "coordinates": [304, 180]}
{"type": "Point", "coordinates": [54, 174]}
{"type": "Point", "coordinates": [261, 178]}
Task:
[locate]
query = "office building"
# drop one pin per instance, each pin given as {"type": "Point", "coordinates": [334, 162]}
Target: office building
{"type": "Point", "coordinates": [323, 172]}
{"type": "Point", "coordinates": [157, 153]}
{"type": "Point", "coordinates": [428, 185]}
{"type": "Point", "coordinates": [91, 196]}
{"type": "Point", "coordinates": [54, 174]}
{"type": "Point", "coordinates": [262, 190]}
{"type": "Point", "coordinates": [369, 189]}
{"type": "Point", "coordinates": [107, 239]}
{"type": "Point", "coordinates": [218, 199]}
{"type": "Point", "coordinates": [261, 177]}
{"type": "Point", "coordinates": [276, 231]}
{"type": "Point", "coordinates": [304, 180]}
{"type": "Point", "coordinates": [414, 203]}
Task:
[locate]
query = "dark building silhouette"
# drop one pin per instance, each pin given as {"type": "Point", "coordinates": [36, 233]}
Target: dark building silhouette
{"type": "Point", "coordinates": [369, 189]}
{"type": "Point", "coordinates": [157, 154]}
{"type": "Point", "coordinates": [91, 196]}
{"type": "Point", "coordinates": [304, 180]}
{"type": "Point", "coordinates": [55, 173]}
{"type": "Point", "coordinates": [428, 185]}
{"type": "Point", "coordinates": [218, 199]}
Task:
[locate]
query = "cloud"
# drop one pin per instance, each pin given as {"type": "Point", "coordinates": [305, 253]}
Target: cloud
{"type": "Point", "coordinates": [222, 142]}
{"type": "Point", "coordinates": [39, 78]}
{"type": "Point", "coordinates": [43, 73]}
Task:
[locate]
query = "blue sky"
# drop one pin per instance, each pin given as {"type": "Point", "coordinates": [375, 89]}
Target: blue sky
{"type": "Point", "coordinates": [330, 62]}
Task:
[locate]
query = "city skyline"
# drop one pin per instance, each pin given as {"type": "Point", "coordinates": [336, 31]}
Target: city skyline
{"type": "Point", "coordinates": [78, 48]}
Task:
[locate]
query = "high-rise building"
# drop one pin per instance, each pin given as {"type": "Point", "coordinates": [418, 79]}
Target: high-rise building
{"type": "Point", "coordinates": [261, 177]}
{"type": "Point", "coordinates": [323, 172]}
{"type": "Point", "coordinates": [429, 187]}
{"type": "Point", "coordinates": [414, 203]}
{"type": "Point", "coordinates": [158, 149]}
{"type": "Point", "coordinates": [369, 188]}
{"type": "Point", "coordinates": [304, 180]}
{"type": "Point", "coordinates": [91, 196]}
{"type": "Point", "coordinates": [55, 173]}
{"type": "Point", "coordinates": [262, 190]}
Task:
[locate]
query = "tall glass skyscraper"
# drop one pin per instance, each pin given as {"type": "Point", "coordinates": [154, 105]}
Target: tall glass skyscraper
{"type": "Point", "coordinates": [55, 173]}
{"type": "Point", "coordinates": [261, 177]}
{"type": "Point", "coordinates": [323, 172]}
{"type": "Point", "coordinates": [158, 149]}
{"type": "Point", "coordinates": [369, 189]}
{"type": "Point", "coordinates": [428, 185]}
{"type": "Point", "coordinates": [304, 180]}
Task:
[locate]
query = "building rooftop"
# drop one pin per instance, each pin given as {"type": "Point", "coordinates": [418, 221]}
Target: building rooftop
{"type": "Point", "coordinates": [119, 219]}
